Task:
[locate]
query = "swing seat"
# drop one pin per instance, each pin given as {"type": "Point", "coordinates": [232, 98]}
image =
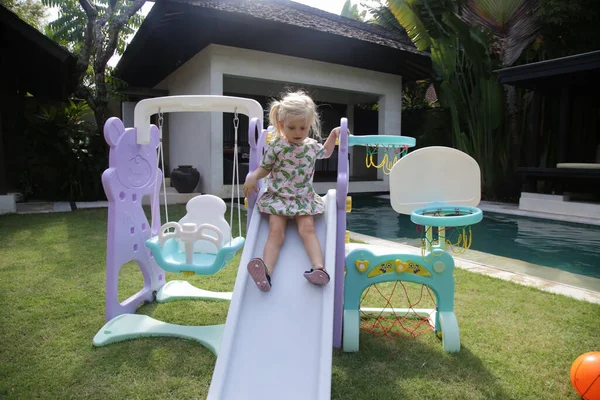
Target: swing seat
{"type": "Point", "coordinates": [200, 243]}
{"type": "Point", "coordinates": [170, 257]}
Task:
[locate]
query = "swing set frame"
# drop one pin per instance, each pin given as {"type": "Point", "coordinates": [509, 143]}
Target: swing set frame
{"type": "Point", "coordinates": [132, 174]}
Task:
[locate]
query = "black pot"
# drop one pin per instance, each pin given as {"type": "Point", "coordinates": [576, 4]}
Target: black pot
{"type": "Point", "coordinates": [185, 178]}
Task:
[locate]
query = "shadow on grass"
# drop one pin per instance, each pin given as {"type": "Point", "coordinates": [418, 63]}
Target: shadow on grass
{"type": "Point", "coordinates": [147, 368]}
{"type": "Point", "coordinates": [410, 368]}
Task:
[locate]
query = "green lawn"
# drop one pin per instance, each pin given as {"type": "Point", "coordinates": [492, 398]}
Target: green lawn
{"type": "Point", "coordinates": [517, 342]}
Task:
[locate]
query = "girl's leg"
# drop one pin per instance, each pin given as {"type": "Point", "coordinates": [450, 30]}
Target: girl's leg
{"type": "Point", "coordinates": [277, 225]}
{"type": "Point", "coordinates": [306, 229]}
{"type": "Point", "coordinates": [261, 269]}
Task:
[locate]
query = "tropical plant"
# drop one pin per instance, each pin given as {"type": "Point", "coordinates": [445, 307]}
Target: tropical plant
{"type": "Point", "coordinates": [95, 30]}
{"type": "Point", "coordinates": [414, 95]}
{"type": "Point", "coordinates": [568, 27]}
{"type": "Point", "coordinates": [65, 153]}
{"type": "Point", "coordinates": [462, 71]}
{"type": "Point", "coordinates": [514, 26]}
{"type": "Point", "coordinates": [350, 10]}
{"type": "Point", "coordinates": [30, 11]}
{"type": "Point", "coordinates": [382, 16]}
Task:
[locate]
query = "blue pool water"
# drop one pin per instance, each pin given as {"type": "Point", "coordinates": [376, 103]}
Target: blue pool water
{"type": "Point", "coordinates": [567, 246]}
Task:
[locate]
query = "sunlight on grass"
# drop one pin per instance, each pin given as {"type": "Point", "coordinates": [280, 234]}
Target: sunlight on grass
{"type": "Point", "coordinates": [400, 301]}
{"type": "Point", "coordinates": [516, 342]}
{"type": "Point", "coordinates": [131, 280]}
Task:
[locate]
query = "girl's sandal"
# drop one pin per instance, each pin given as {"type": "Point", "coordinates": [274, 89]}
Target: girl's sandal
{"type": "Point", "coordinates": [260, 274]}
{"type": "Point", "coordinates": [317, 276]}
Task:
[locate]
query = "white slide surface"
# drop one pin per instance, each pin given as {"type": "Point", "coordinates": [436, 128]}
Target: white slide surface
{"type": "Point", "coordinates": [278, 344]}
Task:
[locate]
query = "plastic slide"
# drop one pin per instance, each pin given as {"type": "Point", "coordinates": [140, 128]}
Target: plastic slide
{"type": "Point", "coordinates": [278, 344]}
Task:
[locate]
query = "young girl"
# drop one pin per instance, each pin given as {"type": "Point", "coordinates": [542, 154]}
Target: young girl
{"type": "Point", "coordinates": [289, 163]}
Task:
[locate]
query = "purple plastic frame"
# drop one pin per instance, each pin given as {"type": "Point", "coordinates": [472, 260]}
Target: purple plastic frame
{"type": "Point", "coordinates": [131, 175]}
{"type": "Point", "coordinates": [340, 245]}
{"type": "Point", "coordinates": [257, 139]}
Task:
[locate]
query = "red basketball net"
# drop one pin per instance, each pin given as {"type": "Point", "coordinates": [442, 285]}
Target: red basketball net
{"type": "Point", "coordinates": [402, 319]}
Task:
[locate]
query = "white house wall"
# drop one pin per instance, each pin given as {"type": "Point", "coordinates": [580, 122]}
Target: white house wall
{"type": "Point", "coordinates": [189, 133]}
{"type": "Point", "coordinates": [247, 86]}
{"type": "Point", "coordinates": [204, 74]}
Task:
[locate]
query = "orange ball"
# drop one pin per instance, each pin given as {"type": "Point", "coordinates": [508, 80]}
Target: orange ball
{"type": "Point", "coordinates": [585, 375]}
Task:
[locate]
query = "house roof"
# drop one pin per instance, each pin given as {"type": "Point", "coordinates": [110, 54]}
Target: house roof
{"type": "Point", "coordinates": [176, 30]}
{"type": "Point", "coordinates": [28, 49]}
{"type": "Point", "coordinates": [579, 70]}
{"type": "Point", "coordinates": [293, 13]}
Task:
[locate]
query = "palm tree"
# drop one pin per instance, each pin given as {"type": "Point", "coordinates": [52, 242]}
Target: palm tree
{"type": "Point", "coordinates": [462, 74]}
{"type": "Point", "coordinates": [514, 26]}
{"type": "Point", "coordinates": [468, 39]}
{"type": "Point", "coordinates": [351, 11]}
{"type": "Point", "coordinates": [382, 16]}
{"type": "Point", "coordinates": [513, 23]}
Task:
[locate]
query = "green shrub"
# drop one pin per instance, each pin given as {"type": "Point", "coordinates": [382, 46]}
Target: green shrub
{"type": "Point", "coordinates": [65, 154]}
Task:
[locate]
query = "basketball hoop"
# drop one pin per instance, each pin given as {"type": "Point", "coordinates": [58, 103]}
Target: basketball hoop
{"type": "Point", "coordinates": [443, 226]}
{"type": "Point", "coordinates": [383, 151]}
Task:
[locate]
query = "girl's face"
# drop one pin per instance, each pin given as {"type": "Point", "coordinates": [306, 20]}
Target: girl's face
{"type": "Point", "coordinates": [295, 130]}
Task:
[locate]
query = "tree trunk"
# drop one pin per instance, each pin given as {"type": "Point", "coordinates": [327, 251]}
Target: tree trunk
{"type": "Point", "coordinates": [100, 99]}
{"type": "Point", "coordinates": [514, 132]}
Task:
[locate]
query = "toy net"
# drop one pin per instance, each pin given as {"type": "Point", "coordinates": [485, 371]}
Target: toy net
{"type": "Point", "coordinates": [410, 316]}
{"type": "Point", "coordinates": [383, 151]}
{"type": "Point", "coordinates": [457, 236]}
{"type": "Point", "coordinates": [384, 156]}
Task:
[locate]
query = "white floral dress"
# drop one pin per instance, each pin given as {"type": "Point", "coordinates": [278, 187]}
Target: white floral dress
{"type": "Point", "coordinates": [289, 185]}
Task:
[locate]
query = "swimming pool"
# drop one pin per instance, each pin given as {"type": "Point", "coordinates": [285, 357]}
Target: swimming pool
{"type": "Point", "coordinates": [566, 246]}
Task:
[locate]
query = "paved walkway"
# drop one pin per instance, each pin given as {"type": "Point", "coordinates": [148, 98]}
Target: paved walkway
{"type": "Point", "coordinates": [513, 209]}
{"type": "Point", "coordinates": [39, 207]}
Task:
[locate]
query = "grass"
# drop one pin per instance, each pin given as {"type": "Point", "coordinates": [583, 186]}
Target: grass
{"type": "Point", "coordinates": [517, 342]}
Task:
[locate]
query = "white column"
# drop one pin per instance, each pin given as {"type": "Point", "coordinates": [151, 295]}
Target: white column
{"type": "Point", "coordinates": [350, 117]}
{"type": "Point", "coordinates": [216, 186]}
{"type": "Point", "coordinates": [381, 129]}
{"type": "Point", "coordinates": [127, 108]}
{"type": "Point", "coordinates": [390, 120]}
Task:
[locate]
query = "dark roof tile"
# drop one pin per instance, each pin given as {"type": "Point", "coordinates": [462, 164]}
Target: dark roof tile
{"type": "Point", "coordinates": [292, 13]}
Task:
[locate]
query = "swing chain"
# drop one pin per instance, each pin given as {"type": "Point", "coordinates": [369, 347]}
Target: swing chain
{"type": "Point", "coordinates": [235, 179]}
{"type": "Point", "coordinates": [160, 159]}
{"type": "Point", "coordinates": [236, 120]}
{"type": "Point", "coordinates": [160, 122]}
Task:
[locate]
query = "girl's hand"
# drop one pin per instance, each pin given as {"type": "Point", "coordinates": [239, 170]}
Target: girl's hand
{"type": "Point", "coordinates": [336, 132]}
{"type": "Point", "coordinates": [250, 185]}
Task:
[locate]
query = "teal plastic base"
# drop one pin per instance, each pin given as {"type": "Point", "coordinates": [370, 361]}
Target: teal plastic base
{"type": "Point", "coordinates": [351, 331]}
{"type": "Point", "coordinates": [436, 271]}
{"type": "Point", "coordinates": [183, 290]}
{"type": "Point", "coordinates": [133, 326]}
{"type": "Point", "coordinates": [449, 332]}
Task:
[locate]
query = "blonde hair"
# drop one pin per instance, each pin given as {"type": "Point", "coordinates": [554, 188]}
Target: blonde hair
{"type": "Point", "coordinates": [295, 105]}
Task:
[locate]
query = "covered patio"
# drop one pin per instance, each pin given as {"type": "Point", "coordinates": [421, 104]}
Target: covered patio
{"type": "Point", "coordinates": [25, 84]}
{"type": "Point", "coordinates": [560, 166]}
